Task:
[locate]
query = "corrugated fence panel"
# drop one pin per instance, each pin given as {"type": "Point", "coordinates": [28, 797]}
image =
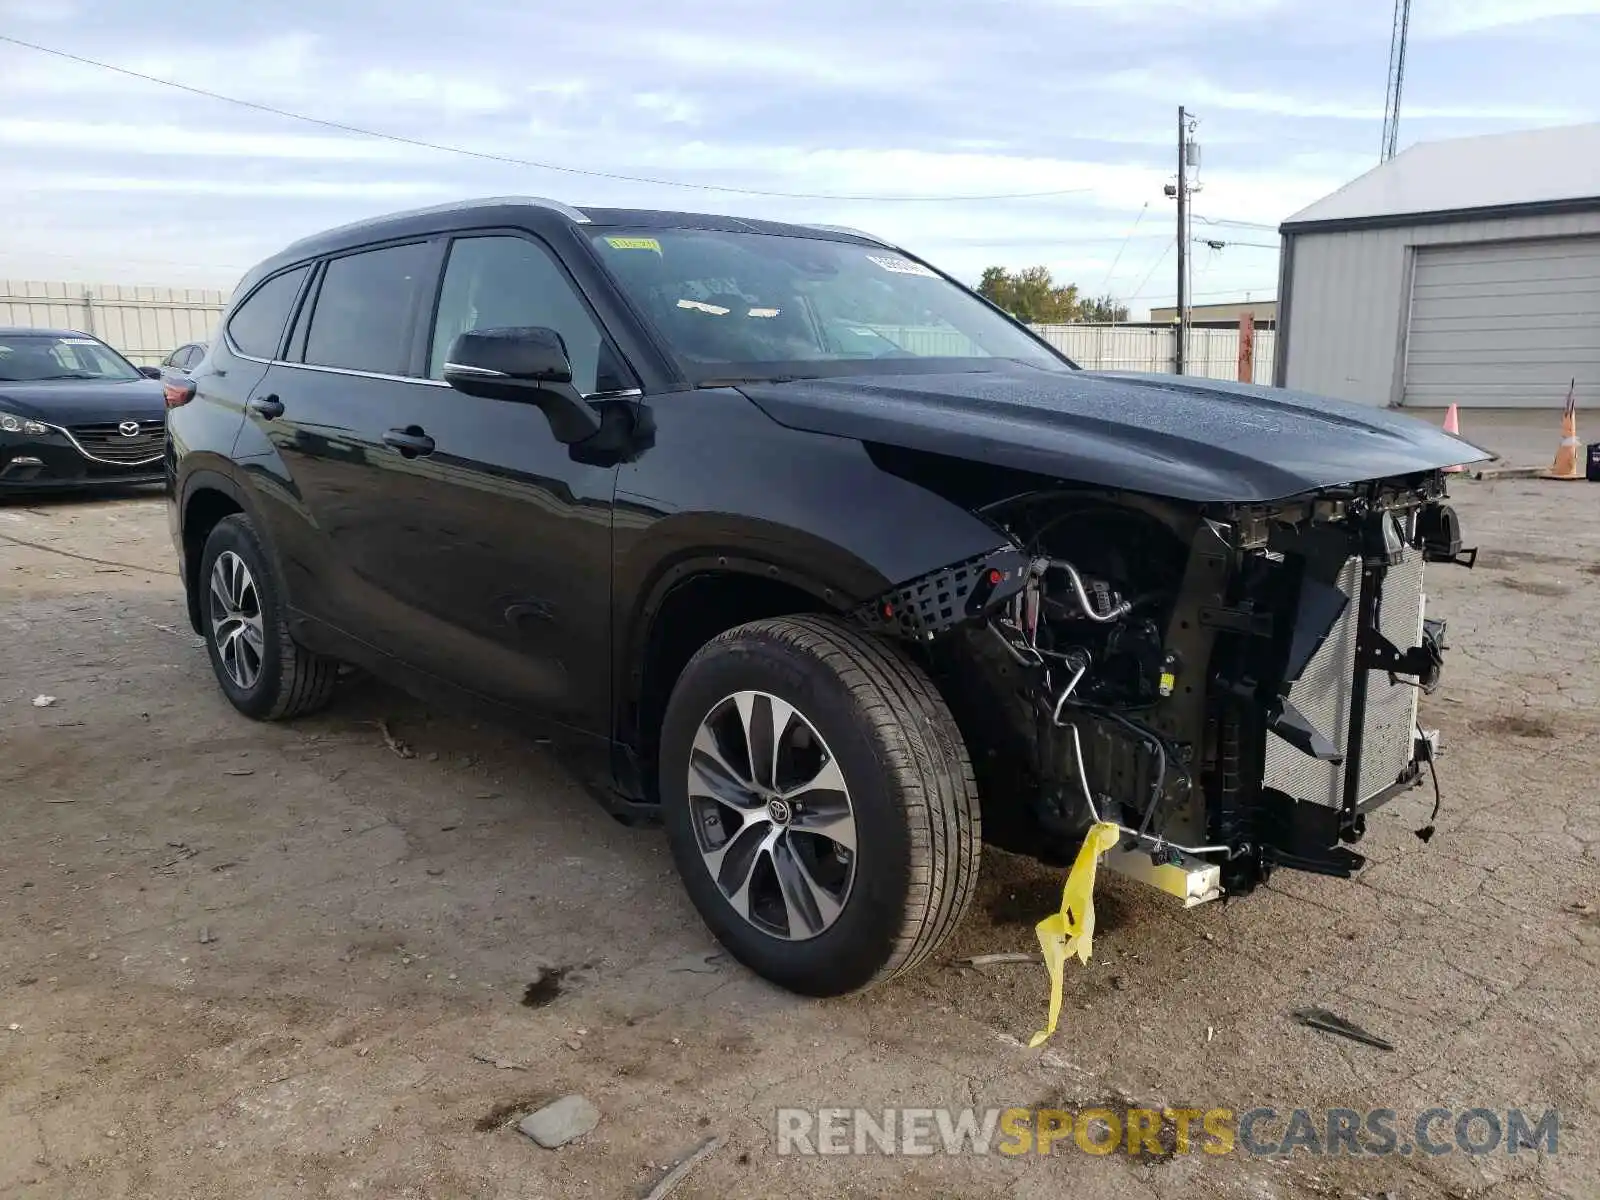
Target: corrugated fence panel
{"type": "Point", "coordinates": [1112, 347]}
{"type": "Point", "coordinates": [145, 323]}
{"type": "Point", "coordinates": [1213, 353]}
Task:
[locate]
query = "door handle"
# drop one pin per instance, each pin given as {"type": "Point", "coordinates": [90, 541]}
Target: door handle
{"type": "Point", "coordinates": [410, 441]}
{"type": "Point", "coordinates": [269, 407]}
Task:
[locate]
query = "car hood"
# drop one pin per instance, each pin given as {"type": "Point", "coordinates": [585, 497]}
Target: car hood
{"type": "Point", "coordinates": [85, 401]}
{"type": "Point", "coordinates": [1165, 435]}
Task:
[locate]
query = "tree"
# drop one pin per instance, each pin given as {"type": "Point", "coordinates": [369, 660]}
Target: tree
{"type": "Point", "coordinates": [1104, 310]}
{"type": "Point", "coordinates": [1031, 295]}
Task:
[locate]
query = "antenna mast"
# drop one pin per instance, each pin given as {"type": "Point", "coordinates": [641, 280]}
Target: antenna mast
{"type": "Point", "coordinates": [1397, 78]}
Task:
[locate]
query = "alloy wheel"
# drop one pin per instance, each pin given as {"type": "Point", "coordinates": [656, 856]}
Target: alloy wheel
{"type": "Point", "coordinates": [236, 625]}
{"type": "Point", "coordinates": [772, 815]}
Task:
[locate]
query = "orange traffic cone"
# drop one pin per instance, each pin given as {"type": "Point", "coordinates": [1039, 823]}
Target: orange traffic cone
{"type": "Point", "coordinates": [1452, 426]}
{"type": "Point", "coordinates": [1566, 465]}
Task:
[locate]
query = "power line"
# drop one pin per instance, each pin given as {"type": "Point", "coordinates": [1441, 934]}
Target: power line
{"type": "Point", "coordinates": [1226, 221]}
{"type": "Point", "coordinates": [1234, 291]}
{"type": "Point", "coordinates": [1155, 266]}
{"type": "Point", "coordinates": [443, 148]}
{"type": "Point", "coordinates": [1134, 229]}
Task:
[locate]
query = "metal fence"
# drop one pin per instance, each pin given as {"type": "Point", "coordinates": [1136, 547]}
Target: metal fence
{"type": "Point", "coordinates": [1212, 353]}
{"type": "Point", "coordinates": [146, 323]}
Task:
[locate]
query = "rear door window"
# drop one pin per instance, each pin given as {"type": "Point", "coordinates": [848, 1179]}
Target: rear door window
{"type": "Point", "coordinates": [256, 328]}
{"type": "Point", "coordinates": [365, 307]}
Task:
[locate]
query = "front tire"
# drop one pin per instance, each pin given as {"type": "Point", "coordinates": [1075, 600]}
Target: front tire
{"type": "Point", "coordinates": [819, 802]}
{"type": "Point", "coordinates": [261, 669]}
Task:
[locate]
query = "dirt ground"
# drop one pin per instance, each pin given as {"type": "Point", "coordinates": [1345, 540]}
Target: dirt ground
{"type": "Point", "coordinates": [251, 960]}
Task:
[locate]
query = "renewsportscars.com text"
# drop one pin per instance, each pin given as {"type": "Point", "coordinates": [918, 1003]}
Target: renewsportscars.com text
{"type": "Point", "coordinates": [1163, 1132]}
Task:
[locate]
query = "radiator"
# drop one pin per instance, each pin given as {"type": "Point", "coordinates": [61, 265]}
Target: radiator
{"type": "Point", "coordinates": [1322, 693]}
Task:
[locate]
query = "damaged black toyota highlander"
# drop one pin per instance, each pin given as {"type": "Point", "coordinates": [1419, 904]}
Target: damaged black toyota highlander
{"type": "Point", "coordinates": [784, 536]}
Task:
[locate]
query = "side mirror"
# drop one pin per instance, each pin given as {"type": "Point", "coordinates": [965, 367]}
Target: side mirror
{"type": "Point", "coordinates": [150, 372]}
{"type": "Point", "coordinates": [527, 366]}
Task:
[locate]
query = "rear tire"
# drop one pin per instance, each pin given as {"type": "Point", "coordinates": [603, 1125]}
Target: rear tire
{"type": "Point", "coordinates": [839, 895]}
{"type": "Point", "coordinates": [261, 669]}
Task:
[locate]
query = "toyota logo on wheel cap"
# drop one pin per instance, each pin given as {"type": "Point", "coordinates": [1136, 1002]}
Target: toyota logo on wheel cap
{"type": "Point", "coordinates": [129, 429]}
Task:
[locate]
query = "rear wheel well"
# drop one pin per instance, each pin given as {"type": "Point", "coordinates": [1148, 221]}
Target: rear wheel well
{"type": "Point", "coordinates": [696, 610]}
{"type": "Point", "coordinates": [201, 512]}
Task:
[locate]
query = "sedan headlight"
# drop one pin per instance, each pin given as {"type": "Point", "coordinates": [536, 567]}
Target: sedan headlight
{"type": "Point", "coordinates": [11, 423]}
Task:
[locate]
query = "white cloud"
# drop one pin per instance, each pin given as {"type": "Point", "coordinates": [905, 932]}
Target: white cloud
{"type": "Point", "coordinates": [1205, 95]}
{"type": "Point", "coordinates": [1458, 17]}
{"type": "Point", "coordinates": [847, 61]}
{"type": "Point", "coordinates": [283, 65]}
{"type": "Point", "coordinates": [673, 108]}
{"type": "Point", "coordinates": [42, 12]}
{"type": "Point", "coordinates": [271, 189]}
{"type": "Point", "coordinates": [450, 93]}
{"type": "Point", "coordinates": [189, 142]}
{"type": "Point", "coordinates": [1144, 11]}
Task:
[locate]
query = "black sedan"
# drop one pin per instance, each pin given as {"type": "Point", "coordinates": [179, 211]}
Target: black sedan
{"type": "Point", "coordinates": [75, 413]}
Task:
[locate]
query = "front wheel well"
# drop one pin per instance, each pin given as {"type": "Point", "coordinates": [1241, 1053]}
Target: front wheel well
{"type": "Point", "coordinates": [202, 511]}
{"type": "Point", "coordinates": [693, 612]}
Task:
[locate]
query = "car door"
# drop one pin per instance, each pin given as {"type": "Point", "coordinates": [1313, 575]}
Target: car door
{"type": "Point", "coordinates": [473, 544]}
{"type": "Point", "coordinates": [514, 550]}
{"type": "Point", "coordinates": [324, 408]}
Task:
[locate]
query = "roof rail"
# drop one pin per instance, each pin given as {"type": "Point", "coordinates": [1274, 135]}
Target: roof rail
{"type": "Point", "coordinates": [566, 210]}
{"type": "Point", "coordinates": [860, 233]}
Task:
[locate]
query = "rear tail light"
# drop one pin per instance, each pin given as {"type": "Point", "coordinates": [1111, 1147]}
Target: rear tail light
{"type": "Point", "coordinates": [178, 392]}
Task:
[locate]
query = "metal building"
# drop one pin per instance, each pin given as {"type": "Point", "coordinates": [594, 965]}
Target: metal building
{"type": "Point", "coordinates": [1463, 271]}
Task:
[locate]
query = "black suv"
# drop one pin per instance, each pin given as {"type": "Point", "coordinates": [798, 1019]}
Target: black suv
{"type": "Point", "coordinates": [782, 534]}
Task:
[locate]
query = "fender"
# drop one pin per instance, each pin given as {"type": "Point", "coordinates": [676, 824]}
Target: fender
{"type": "Point", "coordinates": [810, 510]}
{"type": "Point", "coordinates": [766, 553]}
{"type": "Point", "coordinates": [213, 472]}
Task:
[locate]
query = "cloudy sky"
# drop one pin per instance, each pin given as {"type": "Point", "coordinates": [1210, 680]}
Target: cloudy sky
{"type": "Point", "coordinates": [112, 179]}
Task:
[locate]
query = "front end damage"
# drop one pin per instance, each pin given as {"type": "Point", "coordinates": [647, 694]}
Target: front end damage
{"type": "Point", "coordinates": [1234, 686]}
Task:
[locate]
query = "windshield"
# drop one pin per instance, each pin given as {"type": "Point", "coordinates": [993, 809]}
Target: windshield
{"type": "Point", "coordinates": [33, 357]}
{"type": "Point", "coordinates": [753, 305]}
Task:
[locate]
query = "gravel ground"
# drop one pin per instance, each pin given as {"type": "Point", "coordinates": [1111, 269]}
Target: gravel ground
{"type": "Point", "coordinates": [239, 959]}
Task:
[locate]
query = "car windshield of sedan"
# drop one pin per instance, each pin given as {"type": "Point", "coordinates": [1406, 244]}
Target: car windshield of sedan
{"type": "Point", "coordinates": [36, 358]}
{"type": "Point", "coordinates": [741, 306]}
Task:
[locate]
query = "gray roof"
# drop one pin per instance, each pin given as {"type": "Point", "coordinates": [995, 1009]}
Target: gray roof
{"type": "Point", "coordinates": [1540, 167]}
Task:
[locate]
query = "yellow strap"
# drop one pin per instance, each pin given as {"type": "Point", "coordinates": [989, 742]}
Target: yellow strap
{"type": "Point", "coordinates": [1071, 931]}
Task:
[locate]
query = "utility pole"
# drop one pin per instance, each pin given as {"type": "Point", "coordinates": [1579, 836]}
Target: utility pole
{"type": "Point", "coordinates": [1183, 238]}
{"type": "Point", "coordinates": [1188, 156]}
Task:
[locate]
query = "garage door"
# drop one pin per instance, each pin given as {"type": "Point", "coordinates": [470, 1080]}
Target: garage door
{"type": "Point", "coordinates": [1504, 325]}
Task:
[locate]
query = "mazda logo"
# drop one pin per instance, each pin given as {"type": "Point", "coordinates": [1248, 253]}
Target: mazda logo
{"type": "Point", "coordinates": [129, 429]}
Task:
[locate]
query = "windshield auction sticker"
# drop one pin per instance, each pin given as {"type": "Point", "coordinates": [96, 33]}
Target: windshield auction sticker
{"type": "Point", "coordinates": [634, 243]}
{"type": "Point", "coordinates": [901, 266]}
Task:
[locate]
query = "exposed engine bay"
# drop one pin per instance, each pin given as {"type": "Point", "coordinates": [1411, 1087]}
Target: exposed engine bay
{"type": "Point", "coordinates": [1235, 687]}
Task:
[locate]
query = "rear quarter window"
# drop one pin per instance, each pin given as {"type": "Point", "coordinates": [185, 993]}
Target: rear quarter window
{"type": "Point", "coordinates": [256, 327]}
